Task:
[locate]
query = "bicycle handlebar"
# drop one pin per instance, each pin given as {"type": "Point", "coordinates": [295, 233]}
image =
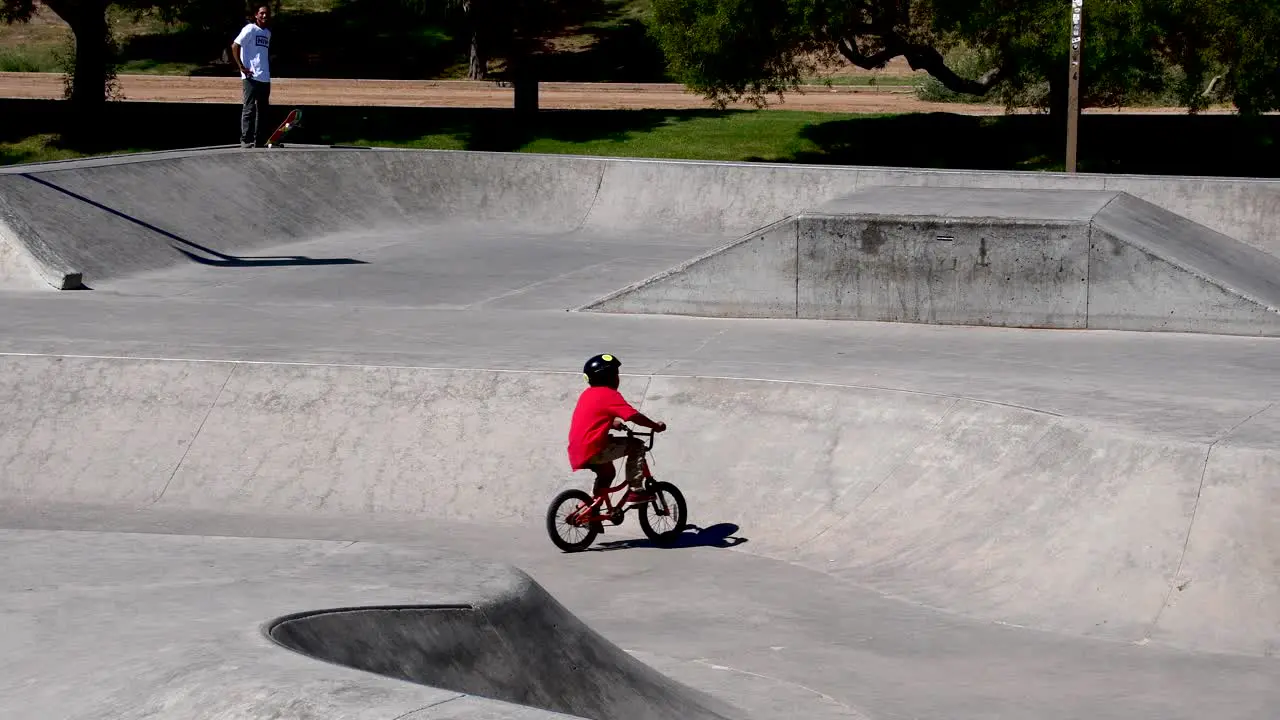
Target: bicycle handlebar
{"type": "Point", "coordinates": [633, 432]}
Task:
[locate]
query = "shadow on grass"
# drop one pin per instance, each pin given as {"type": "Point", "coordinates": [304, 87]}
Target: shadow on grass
{"type": "Point", "coordinates": [1218, 145]}
{"type": "Point", "coordinates": [620, 51]}
{"type": "Point", "coordinates": [134, 126]}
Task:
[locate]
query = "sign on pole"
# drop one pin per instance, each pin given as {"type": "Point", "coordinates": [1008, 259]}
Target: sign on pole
{"type": "Point", "coordinates": [1073, 87]}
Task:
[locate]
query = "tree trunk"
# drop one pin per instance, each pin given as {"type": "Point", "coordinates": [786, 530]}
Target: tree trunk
{"type": "Point", "coordinates": [88, 21]}
{"type": "Point", "coordinates": [89, 89]}
{"type": "Point", "coordinates": [524, 79]}
{"type": "Point", "coordinates": [479, 67]}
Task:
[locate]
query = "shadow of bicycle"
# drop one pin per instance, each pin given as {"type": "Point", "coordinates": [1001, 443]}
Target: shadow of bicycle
{"type": "Point", "coordinates": [720, 535]}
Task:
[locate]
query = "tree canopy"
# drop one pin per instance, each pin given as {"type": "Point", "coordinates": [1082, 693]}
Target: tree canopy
{"type": "Point", "coordinates": [734, 49]}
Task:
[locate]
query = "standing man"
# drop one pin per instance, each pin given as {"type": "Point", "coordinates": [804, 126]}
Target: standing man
{"type": "Point", "coordinates": [250, 49]}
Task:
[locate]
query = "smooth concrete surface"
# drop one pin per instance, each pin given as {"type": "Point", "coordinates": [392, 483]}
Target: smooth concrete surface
{"type": "Point", "coordinates": [955, 502]}
{"type": "Point", "coordinates": [103, 625]}
{"type": "Point", "coordinates": [103, 218]}
{"type": "Point", "coordinates": [1061, 259]}
{"type": "Point", "coordinates": [889, 520]}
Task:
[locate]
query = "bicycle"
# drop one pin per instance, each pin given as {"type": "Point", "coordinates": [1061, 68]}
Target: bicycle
{"type": "Point", "coordinates": [575, 517]}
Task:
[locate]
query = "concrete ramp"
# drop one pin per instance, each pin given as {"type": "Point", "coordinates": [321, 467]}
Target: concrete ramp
{"type": "Point", "coordinates": [968, 256]}
{"type": "Point", "coordinates": [520, 646]}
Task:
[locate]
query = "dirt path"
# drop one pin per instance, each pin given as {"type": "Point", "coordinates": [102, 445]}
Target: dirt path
{"type": "Point", "coordinates": [463, 93]}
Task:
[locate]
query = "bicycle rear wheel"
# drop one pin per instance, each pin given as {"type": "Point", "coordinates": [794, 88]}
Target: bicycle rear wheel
{"type": "Point", "coordinates": [570, 536]}
{"type": "Point", "coordinates": [664, 517]}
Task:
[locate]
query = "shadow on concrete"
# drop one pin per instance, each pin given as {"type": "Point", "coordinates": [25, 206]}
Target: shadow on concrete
{"type": "Point", "coordinates": [720, 535]}
{"type": "Point", "coordinates": [214, 257]}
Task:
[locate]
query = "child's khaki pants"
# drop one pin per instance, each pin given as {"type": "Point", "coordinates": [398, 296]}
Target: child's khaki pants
{"type": "Point", "coordinates": [629, 447]}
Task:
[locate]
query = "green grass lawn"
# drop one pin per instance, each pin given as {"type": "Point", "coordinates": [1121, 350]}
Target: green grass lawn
{"type": "Point", "coordinates": [733, 135]}
{"type": "Point", "coordinates": [29, 58]}
{"type": "Point", "coordinates": [40, 130]}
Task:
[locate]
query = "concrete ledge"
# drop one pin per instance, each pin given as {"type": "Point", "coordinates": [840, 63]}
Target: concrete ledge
{"type": "Point", "coordinates": [24, 256]}
{"type": "Point", "coordinates": [1062, 259]}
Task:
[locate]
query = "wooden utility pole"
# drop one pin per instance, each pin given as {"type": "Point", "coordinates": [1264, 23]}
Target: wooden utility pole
{"type": "Point", "coordinates": [1073, 84]}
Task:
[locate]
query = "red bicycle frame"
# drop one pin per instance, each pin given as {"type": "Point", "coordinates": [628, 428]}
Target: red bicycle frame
{"type": "Point", "coordinates": [591, 513]}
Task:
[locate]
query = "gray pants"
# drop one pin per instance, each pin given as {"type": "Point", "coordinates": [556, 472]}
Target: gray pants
{"type": "Point", "coordinates": [256, 96]}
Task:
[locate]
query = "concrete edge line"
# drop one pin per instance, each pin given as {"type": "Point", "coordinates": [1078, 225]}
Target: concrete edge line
{"type": "Point", "coordinates": [1175, 579]}
{"type": "Point", "coordinates": [677, 269]}
{"type": "Point", "coordinates": [652, 375]}
{"type": "Point", "coordinates": [1119, 429]}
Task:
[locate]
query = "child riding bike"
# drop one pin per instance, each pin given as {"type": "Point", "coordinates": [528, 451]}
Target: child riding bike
{"type": "Point", "coordinates": [601, 408]}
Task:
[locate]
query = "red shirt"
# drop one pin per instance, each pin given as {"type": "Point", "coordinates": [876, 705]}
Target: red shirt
{"type": "Point", "coordinates": [597, 407]}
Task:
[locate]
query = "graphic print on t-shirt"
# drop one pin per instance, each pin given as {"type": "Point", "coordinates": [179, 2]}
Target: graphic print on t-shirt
{"type": "Point", "coordinates": [254, 53]}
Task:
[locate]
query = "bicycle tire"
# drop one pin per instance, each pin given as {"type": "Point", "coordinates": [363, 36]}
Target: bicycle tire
{"type": "Point", "coordinates": [554, 523]}
{"type": "Point", "coordinates": [677, 505]}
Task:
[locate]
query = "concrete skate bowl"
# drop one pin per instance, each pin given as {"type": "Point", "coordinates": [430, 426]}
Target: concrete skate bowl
{"type": "Point", "coordinates": [520, 647]}
{"type": "Point", "coordinates": [990, 511]}
{"type": "Point", "coordinates": [88, 222]}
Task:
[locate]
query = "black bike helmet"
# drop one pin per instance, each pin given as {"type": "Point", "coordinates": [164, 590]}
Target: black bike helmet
{"type": "Point", "coordinates": [601, 369]}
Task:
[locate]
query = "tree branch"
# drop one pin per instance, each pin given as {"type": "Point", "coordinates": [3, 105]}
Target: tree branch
{"type": "Point", "coordinates": [919, 57]}
{"type": "Point", "coordinates": [867, 62]}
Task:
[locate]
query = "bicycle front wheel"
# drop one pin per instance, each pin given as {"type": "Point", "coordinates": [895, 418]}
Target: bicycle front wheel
{"type": "Point", "coordinates": [568, 535]}
{"type": "Point", "coordinates": [664, 517]}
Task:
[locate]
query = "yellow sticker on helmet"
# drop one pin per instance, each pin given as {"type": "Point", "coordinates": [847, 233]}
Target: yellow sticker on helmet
{"type": "Point", "coordinates": [607, 358]}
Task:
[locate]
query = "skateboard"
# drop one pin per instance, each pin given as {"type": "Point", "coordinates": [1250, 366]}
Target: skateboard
{"type": "Point", "coordinates": [291, 121]}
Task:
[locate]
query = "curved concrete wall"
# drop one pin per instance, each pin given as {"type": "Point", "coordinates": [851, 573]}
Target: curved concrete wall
{"type": "Point", "coordinates": [992, 511]}
{"type": "Point", "coordinates": [125, 218]}
{"type": "Point", "coordinates": [118, 216]}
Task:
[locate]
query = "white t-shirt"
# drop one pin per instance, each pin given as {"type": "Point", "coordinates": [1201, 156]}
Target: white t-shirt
{"type": "Point", "coordinates": [254, 44]}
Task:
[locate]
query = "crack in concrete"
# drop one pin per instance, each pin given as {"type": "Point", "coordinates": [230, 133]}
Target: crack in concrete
{"type": "Point", "coordinates": [1174, 582]}
{"type": "Point", "coordinates": [711, 338]}
{"type": "Point", "coordinates": [196, 436]}
{"type": "Point", "coordinates": [415, 711]}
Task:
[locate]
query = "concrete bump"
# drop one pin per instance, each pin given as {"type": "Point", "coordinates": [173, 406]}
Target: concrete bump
{"type": "Point", "coordinates": [520, 647]}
